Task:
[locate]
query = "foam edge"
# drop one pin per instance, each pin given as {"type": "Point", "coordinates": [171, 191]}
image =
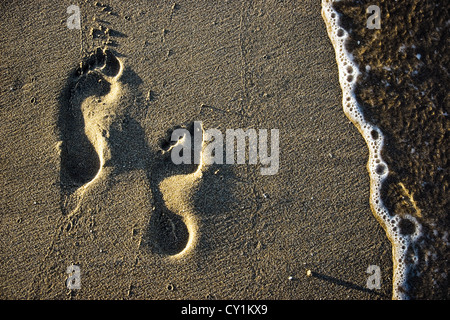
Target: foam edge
{"type": "Point", "coordinates": [402, 255]}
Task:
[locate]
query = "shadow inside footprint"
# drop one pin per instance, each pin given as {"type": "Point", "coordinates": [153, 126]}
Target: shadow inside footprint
{"type": "Point", "coordinates": [167, 234]}
{"type": "Point", "coordinates": [80, 162]}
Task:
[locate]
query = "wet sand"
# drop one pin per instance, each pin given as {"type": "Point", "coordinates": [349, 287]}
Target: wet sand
{"type": "Point", "coordinates": [403, 90]}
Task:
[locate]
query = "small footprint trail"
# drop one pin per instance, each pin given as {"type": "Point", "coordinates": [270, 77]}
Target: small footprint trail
{"type": "Point", "coordinates": [99, 140]}
{"type": "Point", "coordinates": [86, 115]}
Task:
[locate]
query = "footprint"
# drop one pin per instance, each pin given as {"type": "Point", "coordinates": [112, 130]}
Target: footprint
{"type": "Point", "coordinates": [101, 140]}
{"type": "Point", "coordinates": [86, 114]}
{"type": "Point", "coordinates": [173, 227]}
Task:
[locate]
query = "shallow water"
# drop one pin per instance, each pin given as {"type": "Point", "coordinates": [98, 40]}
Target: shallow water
{"type": "Point", "coordinates": [399, 95]}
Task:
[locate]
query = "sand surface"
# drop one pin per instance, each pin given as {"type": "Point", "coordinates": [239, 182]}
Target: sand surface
{"type": "Point", "coordinates": [229, 64]}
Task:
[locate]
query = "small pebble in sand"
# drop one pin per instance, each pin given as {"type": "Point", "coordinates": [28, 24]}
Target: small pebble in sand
{"type": "Point", "coordinates": [170, 287]}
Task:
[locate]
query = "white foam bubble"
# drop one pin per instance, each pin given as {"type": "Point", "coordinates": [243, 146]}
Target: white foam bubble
{"type": "Point", "coordinates": [378, 170]}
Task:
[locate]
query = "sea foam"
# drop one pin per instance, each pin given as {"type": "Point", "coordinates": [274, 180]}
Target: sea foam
{"type": "Point", "coordinates": [403, 255]}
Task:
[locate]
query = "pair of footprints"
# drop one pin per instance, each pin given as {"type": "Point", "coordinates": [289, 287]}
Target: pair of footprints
{"type": "Point", "coordinates": [100, 139]}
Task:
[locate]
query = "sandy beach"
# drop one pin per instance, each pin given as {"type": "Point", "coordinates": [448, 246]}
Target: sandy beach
{"type": "Point", "coordinates": [87, 180]}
